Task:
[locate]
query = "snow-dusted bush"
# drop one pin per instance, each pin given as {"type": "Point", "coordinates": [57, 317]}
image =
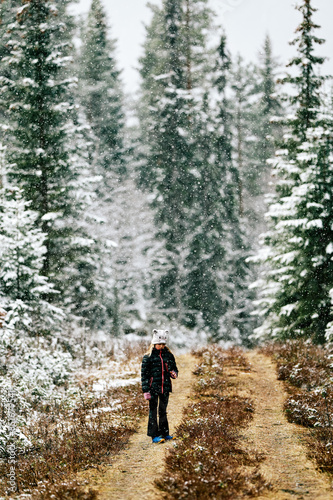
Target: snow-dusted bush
{"type": "Point", "coordinates": [40, 370]}
{"type": "Point", "coordinates": [13, 412]}
{"type": "Point", "coordinates": [30, 368]}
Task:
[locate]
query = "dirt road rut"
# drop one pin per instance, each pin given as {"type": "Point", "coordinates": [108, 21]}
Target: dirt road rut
{"type": "Point", "coordinates": [286, 466]}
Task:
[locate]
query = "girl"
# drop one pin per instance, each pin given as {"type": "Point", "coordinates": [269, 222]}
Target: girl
{"type": "Point", "coordinates": [158, 367]}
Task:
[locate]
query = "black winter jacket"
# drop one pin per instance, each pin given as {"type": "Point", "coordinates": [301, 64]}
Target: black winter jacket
{"type": "Point", "coordinates": [155, 371]}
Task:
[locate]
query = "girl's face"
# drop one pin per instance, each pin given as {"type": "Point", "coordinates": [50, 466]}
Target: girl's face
{"type": "Point", "coordinates": [159, 346]}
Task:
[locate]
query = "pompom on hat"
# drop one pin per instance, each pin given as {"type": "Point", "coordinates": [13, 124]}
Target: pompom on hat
{"type": "Point", "coordinates": [160, 336]}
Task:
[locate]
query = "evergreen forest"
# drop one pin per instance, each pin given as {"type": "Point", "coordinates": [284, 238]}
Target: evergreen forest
{"type": "Point", "coordinates": [202, 205]}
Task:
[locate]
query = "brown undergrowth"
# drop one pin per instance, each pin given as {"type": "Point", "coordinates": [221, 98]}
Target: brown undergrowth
{"type": "Point", "coordinates": [208, 460]}
{"type": "Point", "coordinates": [307, 372]}
{"type": "Point", "coordinates": [66, 441]}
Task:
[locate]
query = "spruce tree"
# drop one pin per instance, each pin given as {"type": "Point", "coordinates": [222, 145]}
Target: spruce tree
{"type": "Point", "coordinates": [259, 129]}
{"type": "Point", "coordinates": [190, 171]}
{"type": "Point", "coordinates": [38, 111]}
{"type": "Point", "coordinates": [256, 130]}
{"type": "Point", "coordinates": [168, 169]}
{"type": "Point", "coordinates": [43, 147]}
{"type": "Point", "coordinates": [23, 288]}
{"type": "Point", "coordinates": [194, 27]}
{"type": "Point", "coordinates": [268, 109]}
{"type": "Point", "coordinates": [307, 83]}
{"type": "Point", "coordinates": [206, 273]}
{"type": "Point", "coordinates": [120, 209]}
{"type": "Point", "coordinates": [100, 90]}
{"type": "Point", "coordinates": [153, 71]}
{"type": "Point", "coordinates": [217, 272]}
{"type": "Point", "coordinates": [7, 16]}
{"type": "Point", "coordinates": [237, 321]}
{"type": "Point", "coordinates": [242, 86]}
{"type": "Point", "coordinates": [127, 263]}
{"type": "Point", "coordinates": [296, 300]}
{"type": "Point", "coordinates": [168, 166]}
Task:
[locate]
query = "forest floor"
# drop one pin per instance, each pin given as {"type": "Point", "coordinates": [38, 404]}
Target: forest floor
{"type": "Point", "coordinates": [286, 467]}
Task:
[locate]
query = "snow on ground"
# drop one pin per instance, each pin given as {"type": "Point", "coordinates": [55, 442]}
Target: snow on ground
{"type": "Point", "coordinates": [121, 369]}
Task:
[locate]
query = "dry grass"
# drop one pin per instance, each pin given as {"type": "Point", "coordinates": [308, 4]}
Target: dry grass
{"type": "Point", "coordinates": [66, 441]}
{"type": "Point", "coordinates": [307, 371]}
{"type": "Point", "coordinates": [208, 460]}
{"type": "Point", "coordinates": [84, 439]}
{"type": "Point", "coordinates": [67, 490]}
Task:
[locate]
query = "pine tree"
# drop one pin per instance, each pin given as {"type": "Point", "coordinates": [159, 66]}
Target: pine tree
{"type": "Point", "coordinates": [296, 300]}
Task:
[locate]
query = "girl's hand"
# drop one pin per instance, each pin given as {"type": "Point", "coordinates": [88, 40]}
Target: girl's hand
{"type": "Point", "coordinates": [173, 374]}
{"type": "Point", "coordinates": [147, 395]}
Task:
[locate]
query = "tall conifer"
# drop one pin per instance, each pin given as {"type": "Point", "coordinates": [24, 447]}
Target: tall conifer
{"type": "Point", "coordinates": [217, 272]}
{"type": "Point", "coordinates": [268, 108]}
{"type": "Point", "coordinates": [242, 85]}
{"type": "Point", "coordinates": [43, 145]}
{"type": "Point", "coordinates": [296, 299]}
{"type": "Point", "coordinates": [23, 288]}
{"type": "Point", "coordinates": [190, 172]}
{"type": "Point", "coordinates": [100, 90]}
{"type": "Point", "coordinates": [169, 160]}
{"type": "Point", "coordinates": [119, 205]}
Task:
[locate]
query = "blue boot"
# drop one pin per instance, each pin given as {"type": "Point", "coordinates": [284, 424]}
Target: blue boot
{"type": "Point", "coordinates": [169, 438]}
{"type": "Point", "coordinates": [158, 440]}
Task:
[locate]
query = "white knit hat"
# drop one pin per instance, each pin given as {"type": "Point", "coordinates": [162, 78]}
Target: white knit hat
{"type": "Point", "coordinates": [160, 336]}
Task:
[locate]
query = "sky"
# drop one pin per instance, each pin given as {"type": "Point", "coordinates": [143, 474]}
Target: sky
{"type": "Point", "coordinates": [246, 23]}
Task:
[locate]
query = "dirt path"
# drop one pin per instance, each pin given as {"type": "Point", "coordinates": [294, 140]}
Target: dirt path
{"type": "Point", "coordinates": [286, 466]}
{"type": "Point", "coordinates": [132, 473]}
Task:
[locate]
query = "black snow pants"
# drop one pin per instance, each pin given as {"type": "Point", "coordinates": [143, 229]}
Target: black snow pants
{"type": "Point", "coordinates": [160, 428]}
